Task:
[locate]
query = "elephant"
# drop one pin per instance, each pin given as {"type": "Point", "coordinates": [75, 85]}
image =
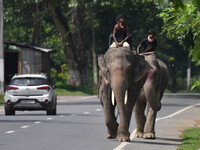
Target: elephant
{"type": "Point", "coordinates": [122, 75]}
{"type": "Point", "coordinates": [150, 94]}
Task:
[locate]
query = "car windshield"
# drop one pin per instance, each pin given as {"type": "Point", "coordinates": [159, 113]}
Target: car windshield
{"type": "Point", "coordinates": [28, 81]}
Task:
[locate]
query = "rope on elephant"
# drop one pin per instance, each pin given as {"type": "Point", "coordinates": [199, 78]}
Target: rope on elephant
{"type": "Point", "coordinates": [147, 53]}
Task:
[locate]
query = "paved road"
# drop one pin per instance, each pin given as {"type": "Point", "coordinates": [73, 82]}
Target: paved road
{"type": "Point", "coordinates": [80, 125]}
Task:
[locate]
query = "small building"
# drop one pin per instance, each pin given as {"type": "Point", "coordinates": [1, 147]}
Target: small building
{"type": "Point", "coordinates": [24, 59]}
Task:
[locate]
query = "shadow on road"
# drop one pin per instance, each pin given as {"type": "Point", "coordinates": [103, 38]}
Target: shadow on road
{"type": "Point", "coordinates": [159, 141]}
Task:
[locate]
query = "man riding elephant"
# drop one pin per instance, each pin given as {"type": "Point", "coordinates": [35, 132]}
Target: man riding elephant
{"type": "Point", "coordinates": [120, 33]}
{"type": "Point", "coordinates": [152, 90]}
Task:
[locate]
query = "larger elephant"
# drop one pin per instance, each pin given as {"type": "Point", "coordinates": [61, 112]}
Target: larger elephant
{"type": "Point", "coordinates": [150, 94]}
{"type": "Point", "coordinates": [122, 74]}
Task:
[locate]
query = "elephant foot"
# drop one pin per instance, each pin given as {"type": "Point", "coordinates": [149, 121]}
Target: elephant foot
{"type": "Point", "coordinates": [139, 134]}
{"type": "Point", "coordinates": [149, 136]}
{"type": "Point", "coordinates": [111, 134]}
{"type": "Point", "coordinates": [123, 138]}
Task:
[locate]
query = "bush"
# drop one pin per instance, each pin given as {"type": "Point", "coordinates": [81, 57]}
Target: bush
{"type": "Point", "coordinates": [59, 78]}
{"type": "Point", "coordinates": [1, 99]}
{"type": "Point", "coordinates": [181, 85]}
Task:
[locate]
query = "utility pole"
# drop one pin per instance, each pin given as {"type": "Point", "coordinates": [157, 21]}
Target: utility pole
{"type": "Point", "coordinates": [1, 50]}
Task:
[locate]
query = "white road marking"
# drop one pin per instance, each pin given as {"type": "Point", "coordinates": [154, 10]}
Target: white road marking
{"type": "Point", "coordinates": [49, 118]}
{"type": "Point", "coordinates": [24, 127]}
{"type": "Point", "coordinates": [86, 113]}
{"type": "Point", "coordinates": [98, 109]}
{"type": "Point", "coordinates": [178, 112]}
{"type": "Point", "coordinates": [8, 132]}
{"type": "Point", "coordinates": [37, 122]}
{"type": "Point", "coordinates": [132, 136]}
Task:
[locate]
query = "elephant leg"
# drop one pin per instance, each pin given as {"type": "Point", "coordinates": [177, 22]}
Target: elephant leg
{"type": "Point", "coordinates": [109, 111]}
{"type": "Point", "coordinates": [122, 133]}
{"type": "Point", "coordinates": [151, 96]}
{"type": "Point", "coordinates": [110, 121]}
{"type": "Point", "coordinates": [140, 117]}
{"type": "Point", "coordinates": [149, 129]}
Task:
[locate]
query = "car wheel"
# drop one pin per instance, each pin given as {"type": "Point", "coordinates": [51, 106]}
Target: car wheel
{"type": "Point", "coordinates": [49, 112]}
{"type": "Point", "coordinates": [9, 111]}
{"type": "Point", "coordinates": [52, 110]}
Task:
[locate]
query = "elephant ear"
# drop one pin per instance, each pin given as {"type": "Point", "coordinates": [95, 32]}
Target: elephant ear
{"type": "Point", "coordinates": [102, 66]}
{"type": "Point", "coordinates": [141, 68]}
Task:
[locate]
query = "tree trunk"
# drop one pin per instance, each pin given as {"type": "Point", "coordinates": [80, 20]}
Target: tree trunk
{"type": "Point", "coordinates": [80, 48]}
{"type": "Point", "coordinates": [94, 59]}
{"type": "Point", "coordinates": [35, 34]}
{"type": "Point", "coordinates": [1, 50]}
{"type": "Point", "coordinates": [66, 36]}
{"type": "Point", "coordinates": [188, 73]}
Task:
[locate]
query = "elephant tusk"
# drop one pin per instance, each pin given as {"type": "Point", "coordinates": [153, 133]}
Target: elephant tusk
{"type": "Point", "coordinates": [113, 98]}
{"type": "Point", "coordinates": [126, 97]}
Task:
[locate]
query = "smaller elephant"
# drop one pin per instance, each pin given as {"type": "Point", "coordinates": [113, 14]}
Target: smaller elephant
{"type": "Point", "coordinates": [122, 75]}
{"type": "Point", "coordinates": [151, 93]}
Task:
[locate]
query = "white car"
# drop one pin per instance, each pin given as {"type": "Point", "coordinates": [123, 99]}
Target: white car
{"type": "Point", "coordinates": [30, 92]}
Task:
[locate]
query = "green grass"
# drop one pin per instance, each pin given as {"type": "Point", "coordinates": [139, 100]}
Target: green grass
{"type": "Point", "coordinates": [190, 139]}
{"type": "Point", "coordinates": [73, 90]}
{"type": "Point", "coordinates": [1, 100]}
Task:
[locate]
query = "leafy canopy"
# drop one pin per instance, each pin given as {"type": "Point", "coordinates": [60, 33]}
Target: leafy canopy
{"type": "Point", "coordinates": [183, 24]}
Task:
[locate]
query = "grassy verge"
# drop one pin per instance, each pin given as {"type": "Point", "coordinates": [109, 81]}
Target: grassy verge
{"type": "Point", "coordinates": [190, 139]}
{"type": "Point", "coordinates": [1, 100]}
{"type": "Point", "coordinates": [73, 90]}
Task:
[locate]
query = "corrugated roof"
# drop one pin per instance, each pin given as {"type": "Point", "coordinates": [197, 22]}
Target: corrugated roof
{"type": "Point", "coordinates": [43, 49]}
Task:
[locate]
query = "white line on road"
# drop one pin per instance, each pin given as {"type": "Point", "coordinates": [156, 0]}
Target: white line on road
{"type": "Point", "coordinates": [86, 113]}
{"type": "Point", "coordinates": [24, 127]}
{"type": "Point", "coordinates": [178, 112]}
{"type": "Point", "coordinates": [49, 118]}
{"type": "Point", "coordinates": [132, 136]}
{"type": "Point", "coordinates": [37, 122]}
{"type": "Point", "coordinates": [98, 109]}
{"type": "Point", "coordinates": [8, 132]}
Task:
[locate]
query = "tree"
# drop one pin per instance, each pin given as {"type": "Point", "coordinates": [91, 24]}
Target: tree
{"type": "Point", "coordinates": [182, 24]}
{"type": "Point", "coordinates": [1, 49]}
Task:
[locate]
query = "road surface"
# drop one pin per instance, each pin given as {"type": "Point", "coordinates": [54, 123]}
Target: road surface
{"type": "Point", "coordinates": [79, 125]}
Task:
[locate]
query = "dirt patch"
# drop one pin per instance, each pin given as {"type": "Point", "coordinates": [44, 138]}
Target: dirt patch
{"type": "Point", "coordinates": [181, 125]}
{"type": "Point", "coordinates": [197, 123]}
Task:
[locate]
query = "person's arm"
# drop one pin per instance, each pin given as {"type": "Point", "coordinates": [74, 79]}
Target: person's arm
{"type": "Point", "coordinates": [128, 35]}
{"type": "Point", "coordinates": [140, 46]}
{"type": "Point", "coordinates": [114, 33]}
{"type": "Point", "coordinates": [138, 49]}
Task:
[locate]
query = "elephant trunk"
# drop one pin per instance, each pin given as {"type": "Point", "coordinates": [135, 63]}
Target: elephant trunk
{"type": "Point", "coordinates": [119, 87]}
